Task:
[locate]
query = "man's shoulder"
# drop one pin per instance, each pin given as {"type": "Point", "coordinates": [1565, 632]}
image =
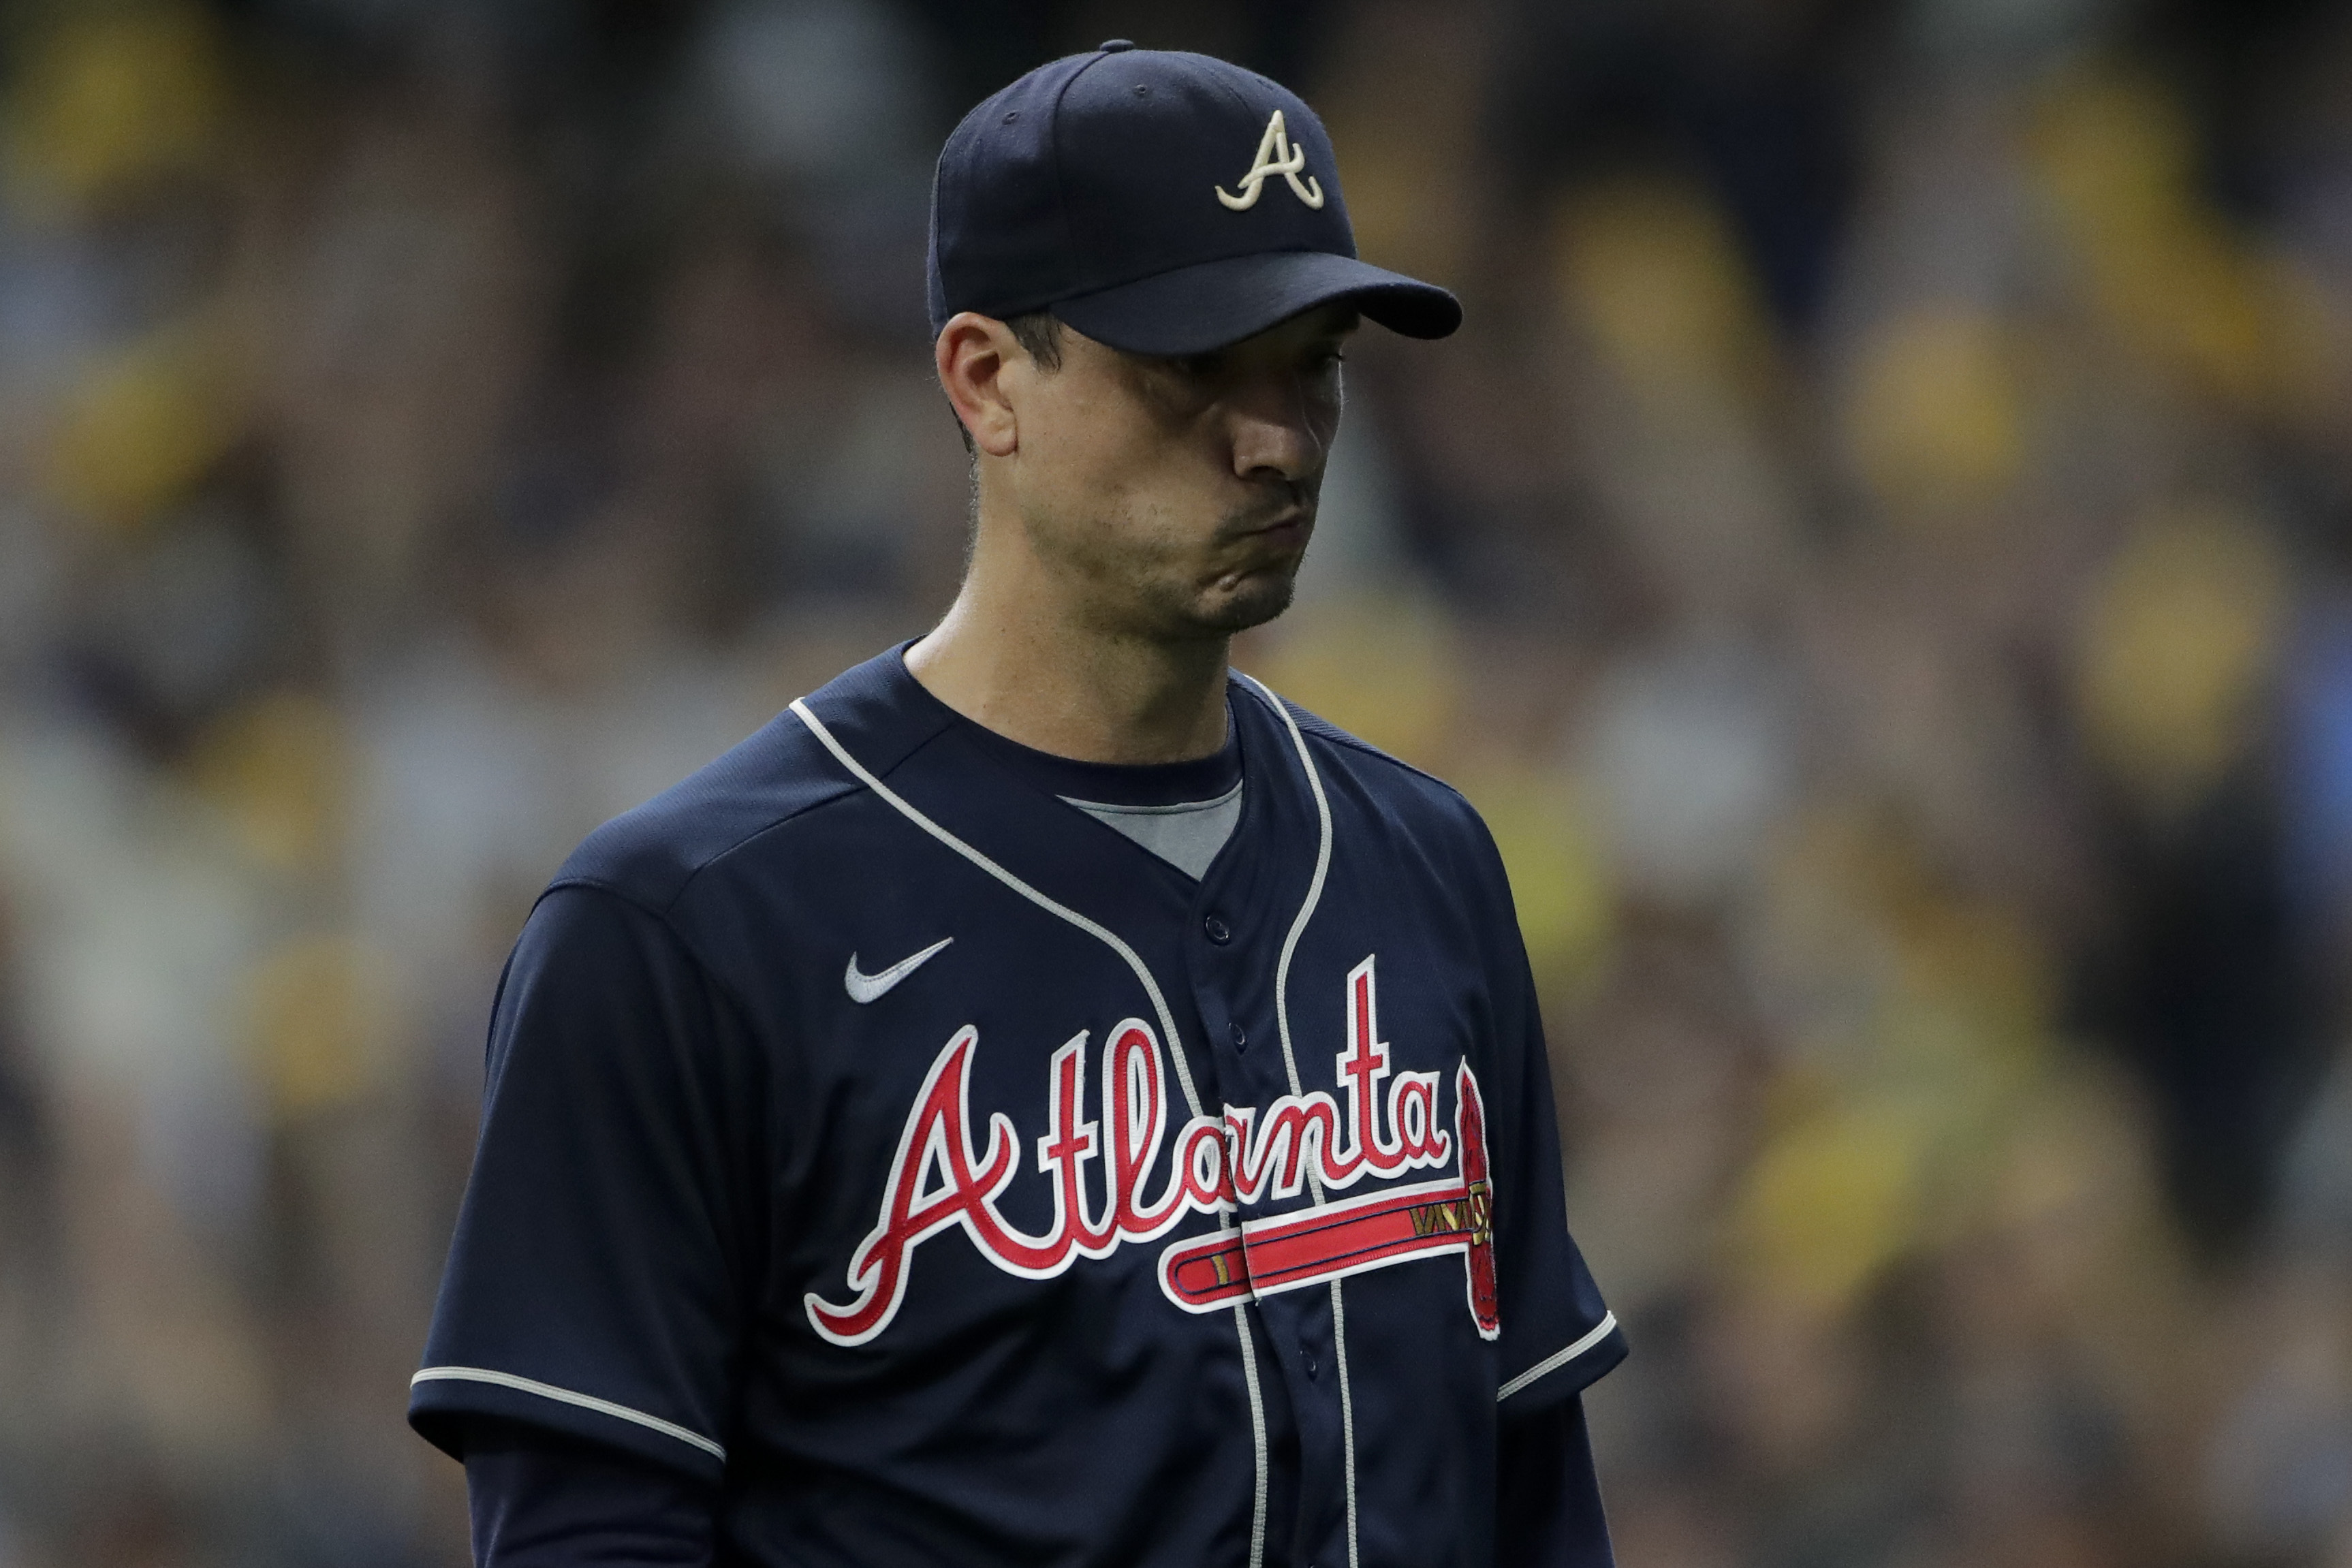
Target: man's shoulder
{"type": "Point", "coordinates": [774, 783]}
{"type": "Point", "coordinates": [650, 853]}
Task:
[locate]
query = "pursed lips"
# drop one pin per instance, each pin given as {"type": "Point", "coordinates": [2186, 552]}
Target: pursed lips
{"type": "Point", "coordinates": [1270, 545]}
{"type": "Point", "coordinates": [1289, 526]}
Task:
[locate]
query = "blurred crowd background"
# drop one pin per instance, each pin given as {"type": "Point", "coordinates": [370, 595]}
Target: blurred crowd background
{"type": "Point", "coordinates": [1880, 553]}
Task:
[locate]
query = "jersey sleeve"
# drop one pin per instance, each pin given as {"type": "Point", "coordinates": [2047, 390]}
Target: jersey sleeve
{"type": "Point", "coordinates": [1558, 1334]}
{"type": "Point", "coordinates": [541, 1500]}
{"type": "Point", "coordinates": [605, 1255]}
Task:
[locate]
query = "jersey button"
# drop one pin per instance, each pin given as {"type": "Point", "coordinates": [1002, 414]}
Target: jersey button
{"type": "Point", "coordinates": [1217, 931]}
{"type": "Point", "coordinates": [1310, 1366]}
{"type": "Point", "coordinates": [1241, 1038]}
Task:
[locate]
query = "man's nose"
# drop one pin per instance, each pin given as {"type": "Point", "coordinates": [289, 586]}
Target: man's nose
{"type": "Point", "coordinates": [1282, 430]}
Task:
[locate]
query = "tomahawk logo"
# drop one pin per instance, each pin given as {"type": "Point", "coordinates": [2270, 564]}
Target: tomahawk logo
{"type": "Point", "coordinates": [1276, 155]}
{"type": "Point", "coordinates": [940, 1180]}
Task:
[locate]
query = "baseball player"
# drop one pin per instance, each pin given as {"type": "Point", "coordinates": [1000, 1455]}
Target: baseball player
{"type": "Point", "coordinates": [1043, 1098]}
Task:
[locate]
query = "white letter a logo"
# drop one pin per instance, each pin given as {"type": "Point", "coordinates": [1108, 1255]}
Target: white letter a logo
{"type": "Point", "coordinates": [1276, 155]}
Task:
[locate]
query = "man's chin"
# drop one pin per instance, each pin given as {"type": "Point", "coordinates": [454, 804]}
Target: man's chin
{"type": "Point", "coordinates": [1252, 602]}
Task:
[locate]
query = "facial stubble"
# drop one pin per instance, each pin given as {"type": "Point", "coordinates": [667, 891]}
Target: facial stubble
{"type": "Point", "coordinates": [1159, 593]}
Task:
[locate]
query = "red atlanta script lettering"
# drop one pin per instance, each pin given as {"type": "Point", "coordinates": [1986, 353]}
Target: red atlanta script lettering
{"type": "Point", "coordinates": [939, 1179]}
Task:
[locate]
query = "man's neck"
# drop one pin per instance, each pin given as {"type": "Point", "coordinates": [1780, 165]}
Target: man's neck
{"type": "Point", "coordinates": [1016, 664]}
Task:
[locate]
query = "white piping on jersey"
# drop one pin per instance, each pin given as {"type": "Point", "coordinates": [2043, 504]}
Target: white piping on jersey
{"type": "Point", "coordinates": [1346, 1406]}
{"type": "Point", "coordinates": [1257, 1430]}
{"type": "Point", "coordinates": [1290, 1066]}
{"type": "Point", "coordinates": [1134, 959]}
{"type": "Point", "coordinates": [1314, 895]}
{"type": "Point", "coordinates": [1558, 1359]}
{"type": "Point", "coordinates": [567, 1396]}
{"type": "Point", "coordinates": [1172, 1043]}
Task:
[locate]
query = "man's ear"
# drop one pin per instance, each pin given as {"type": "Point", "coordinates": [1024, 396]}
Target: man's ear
{"type": "Point", "coordinates": [973, 354]}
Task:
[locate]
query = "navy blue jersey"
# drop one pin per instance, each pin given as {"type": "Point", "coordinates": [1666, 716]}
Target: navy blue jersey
{"type": "Point", "coordinates": [952, 1179]}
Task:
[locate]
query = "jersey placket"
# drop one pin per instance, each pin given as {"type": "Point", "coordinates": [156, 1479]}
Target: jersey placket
{"type": "Point", "coordinates": [1249, 915]}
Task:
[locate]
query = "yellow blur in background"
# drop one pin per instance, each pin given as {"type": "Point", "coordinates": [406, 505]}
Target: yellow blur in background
{"type": "Point", "coordinates": [1879, 556]}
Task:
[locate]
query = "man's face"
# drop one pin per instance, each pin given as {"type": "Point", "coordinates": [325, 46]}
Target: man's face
{"type": "Point", "coordinates": [1177, 496]}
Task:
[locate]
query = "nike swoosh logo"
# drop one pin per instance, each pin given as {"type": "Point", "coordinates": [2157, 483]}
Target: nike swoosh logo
{"type": "Point", "coordinates": [867, 987]}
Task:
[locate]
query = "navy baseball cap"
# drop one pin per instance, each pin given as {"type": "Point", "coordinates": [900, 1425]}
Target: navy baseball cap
{"type": "Point", "coordinates": [1159, 201]}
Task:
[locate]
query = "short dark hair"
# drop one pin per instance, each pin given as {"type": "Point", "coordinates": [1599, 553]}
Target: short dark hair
{"type": "Point", "coordinates": [1039, 334]}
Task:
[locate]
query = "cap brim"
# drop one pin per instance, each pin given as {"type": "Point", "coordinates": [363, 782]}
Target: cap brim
{"type": "Point", "coordinates": [1196, 308]}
